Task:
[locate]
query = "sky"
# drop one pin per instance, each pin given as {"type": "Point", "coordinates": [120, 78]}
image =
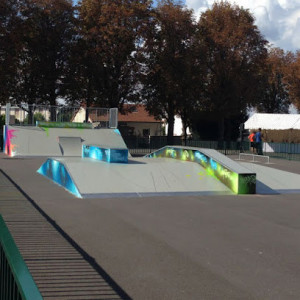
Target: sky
{"type": "Point", "coordinates": [277, 20]}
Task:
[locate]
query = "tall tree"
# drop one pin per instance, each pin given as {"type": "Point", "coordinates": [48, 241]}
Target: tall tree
{"type": "Point", "coordinates": [48, 35]}
{"type": "Point", "coordinates": [167, 65]}
{"type": "Point", "coordinates": [275, 96]}
{"type": "Point", "coordinates": [9, 47]}
{"type": "Point", "coordinates": [292, 77]}
{"type": "Point", "coordinates": [109, 34]}
{"type": "Point", "coordinates": [236, 52]}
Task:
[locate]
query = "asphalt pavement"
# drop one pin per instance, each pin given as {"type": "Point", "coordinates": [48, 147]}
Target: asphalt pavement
{"type": "Point", "coordinates": [180, 247]}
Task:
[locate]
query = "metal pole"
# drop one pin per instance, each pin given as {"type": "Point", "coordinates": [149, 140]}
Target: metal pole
{"type": "Point", "coordinates": [7, 113]}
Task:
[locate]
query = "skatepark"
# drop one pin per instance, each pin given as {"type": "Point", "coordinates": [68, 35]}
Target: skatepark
{"type": "Point", "coordinates": [151, 228]}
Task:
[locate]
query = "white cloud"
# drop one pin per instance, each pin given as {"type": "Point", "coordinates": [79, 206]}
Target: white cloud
{"type": "Point", "coordinates": [278, 20]}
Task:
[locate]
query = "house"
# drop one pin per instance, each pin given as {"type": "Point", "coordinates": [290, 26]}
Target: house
{"type": "Point", "coordinates": [135, 121]}
{"type": "Point", "coordinates": [277, 128]}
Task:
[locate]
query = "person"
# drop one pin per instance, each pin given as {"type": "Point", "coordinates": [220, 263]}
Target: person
{"type": "Point", "coordinates": [251, 138]}
{"type": "Point", "coordinates": [258, 142]}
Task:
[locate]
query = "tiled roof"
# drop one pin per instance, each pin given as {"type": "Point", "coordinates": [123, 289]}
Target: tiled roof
{"type": "Point", "coordinates": [138, 114]}
{"type": "Point", "coordinates": [132, 113]}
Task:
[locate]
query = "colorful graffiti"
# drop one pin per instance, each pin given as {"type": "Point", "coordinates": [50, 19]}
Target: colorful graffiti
{"type": "Point", "coordinates": [238, 183]}
{"type": "Point", "coordinates": [105, 154]}
{"type": "Point", "coordinates": [117, 131]}
{"type": "Point", "coordinates": [7, 141]}
{"type": "Point", "coordinates": [57, 172]}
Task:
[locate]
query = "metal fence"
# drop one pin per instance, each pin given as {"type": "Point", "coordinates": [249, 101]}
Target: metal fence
{"type": "Point", "coordinates": [139, 146]}
{"type": "Point", "coordinates": [25, 115]}
{"type": "Point", "coordinates": [143, 145]}
{"type": "Point", "coordinates": [8, 286]}
{"type": "Point", "coordinates": [16, 282]}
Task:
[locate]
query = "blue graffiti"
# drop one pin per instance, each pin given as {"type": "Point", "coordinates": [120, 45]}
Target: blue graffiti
{"type": "Point", "coordinates": [57, 172]}
{"type": "Point", "coordinates": [200, 157]}
{"type": "Point", "coordinates": [213, 164]}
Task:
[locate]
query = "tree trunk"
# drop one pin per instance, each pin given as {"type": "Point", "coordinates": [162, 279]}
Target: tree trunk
{"type": "Point", "coordinates": [171, 121]}
{"type": "Point", "coordinates": [228, 130]}
{"type": "Point", "coordinates": [30, 115]}
{"type": "Point", "coordinates": [53, 105]}
{"type": "Point", "coordinates": [53, 113]}
{"type": "Point", "coordinates": [184, 125]}
{"type": "Point", "coordinates": [88, 102]}
{"type": "Point", "coordinates": [221, 127]}
{"type": "Point", "coordinates": [87, 110]}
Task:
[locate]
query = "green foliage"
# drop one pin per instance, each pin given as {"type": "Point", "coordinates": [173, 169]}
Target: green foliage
{"type": "Point", "coordinates": [168, 62]}
{"type": "Point", "coordinates": [36, 117]}
{"type": "Point", "coordinates": [10, 46]}
{"type": "Point", "coordinates": [235, 55]}
{"type": "Point", "coordinates": [48, 32]}
{"type": "Point", "coordinates": [275, 97]}
{"type": "Point", "coordinates": [105, 64]}
{"type": "Point", "coordinates": [292, 77]}
{"type": "Point", "coordinates": [65, 116]}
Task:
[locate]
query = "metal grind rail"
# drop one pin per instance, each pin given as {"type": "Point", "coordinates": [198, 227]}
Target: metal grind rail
{"type": "Point", "coordinates": [254, 156]}
{"type": "Point", "coordinates": [59, 270]}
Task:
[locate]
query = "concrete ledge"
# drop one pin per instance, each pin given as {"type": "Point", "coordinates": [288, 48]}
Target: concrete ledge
{"type": "Point", "coordinates": [238, 178]}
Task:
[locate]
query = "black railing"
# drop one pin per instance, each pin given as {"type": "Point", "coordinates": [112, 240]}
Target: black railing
{"type": "Point", "coordinates": [139, 146]}
{"type": "Point", "coordinates": [144, 145]}
{"type": "Point", "coordinates": [16, 282]}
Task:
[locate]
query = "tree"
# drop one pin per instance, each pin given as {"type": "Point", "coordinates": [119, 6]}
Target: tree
{"type": "Point", "coordinates": [167, 63]}
{"type": "Point", "coordinates": [109, 34]}
{"type": "Point", "coordinates": [9, 47]}
{"type": "Point", "coordinates": [48, 35]}
{"type": "Point", "coordinates": [235, 54]}
{"type": "Point", "coordinates": [275, 96]}
{"type": "Point", "coordinates": [36, 117]}
{"type": "Point", "coordinates": [292, 77]}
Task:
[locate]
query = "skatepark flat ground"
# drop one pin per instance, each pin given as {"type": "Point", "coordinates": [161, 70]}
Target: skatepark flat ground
{"type": "Point", "coordinates": [141, 177]}
{"type": "Point", "coordinates": [181, 247]}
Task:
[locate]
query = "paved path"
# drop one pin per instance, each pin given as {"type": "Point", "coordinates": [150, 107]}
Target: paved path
{"type": "Point", "coordinates": [201, 247]}
{"type": "Point", "coordinates": [60, 268]}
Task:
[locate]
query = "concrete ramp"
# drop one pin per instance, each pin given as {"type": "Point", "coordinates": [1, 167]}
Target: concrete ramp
{"type": "Point", "coordinates": [70, 146]}
{"type": "Point", "coordinates": [274, 181]}
{"type": "Point", "coordinates": [139, 178]}
{"type": "Point", "coordinates": [38, 141]}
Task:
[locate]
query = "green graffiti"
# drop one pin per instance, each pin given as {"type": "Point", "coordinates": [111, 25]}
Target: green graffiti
{"type": "Point", "coordinates": [46, 130]}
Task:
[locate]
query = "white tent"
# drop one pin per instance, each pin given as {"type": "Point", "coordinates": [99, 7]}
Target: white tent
{"type": "Point", "coordinates": [279, 128]}
{"type": "Point", "coordinates": [273, 121]}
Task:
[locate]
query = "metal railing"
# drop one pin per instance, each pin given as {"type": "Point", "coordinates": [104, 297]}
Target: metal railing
{"type": "Point", "coordinates": [254, 156]}
{"type": "Point", "coordinates": [143, 145]}
{"type": "Point", "coordinates": [16, 283]}
{"type": "Point", "coordinates": [25, 114]}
